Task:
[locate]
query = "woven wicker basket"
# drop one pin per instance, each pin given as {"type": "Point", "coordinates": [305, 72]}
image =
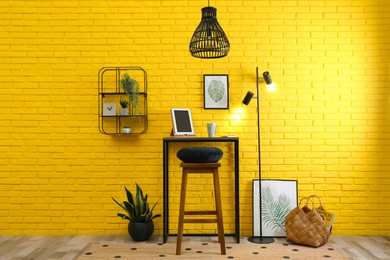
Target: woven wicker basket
{"type": "Point", "coordinates": [305, 226]}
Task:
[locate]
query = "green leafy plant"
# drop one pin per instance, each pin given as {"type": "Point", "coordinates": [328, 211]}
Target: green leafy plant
{"type": "Point", "coordinates": [274, 211]}
{"type": "Point", "coordinates": [137, 208]}
{"type": "Point", "coordinates": [216, 90]}
{"type": "Point", "coordinates": [123, 103]}
{"type": "Point", "coordinates": [131, 88]}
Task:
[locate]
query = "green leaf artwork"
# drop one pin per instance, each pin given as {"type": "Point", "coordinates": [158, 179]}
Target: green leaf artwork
{"type": "Point", "coordinates": [274, 210]}
{"type": "Point", "coordinates": [216, 90]}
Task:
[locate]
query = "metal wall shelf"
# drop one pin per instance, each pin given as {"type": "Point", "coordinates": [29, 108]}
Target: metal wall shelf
{"type": "Point", "coordinates": [111, 92]}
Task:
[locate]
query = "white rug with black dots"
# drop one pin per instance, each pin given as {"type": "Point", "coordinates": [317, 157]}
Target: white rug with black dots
{"type": "Point", "coordinates": [202, 250]}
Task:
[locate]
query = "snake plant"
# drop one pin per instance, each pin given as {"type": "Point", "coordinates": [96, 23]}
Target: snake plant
{"type": "Point", "coordinates": [137, 208]}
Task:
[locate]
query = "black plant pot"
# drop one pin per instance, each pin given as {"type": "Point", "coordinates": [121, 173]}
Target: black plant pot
{"type": "Point", "coordinates": [140, 231]}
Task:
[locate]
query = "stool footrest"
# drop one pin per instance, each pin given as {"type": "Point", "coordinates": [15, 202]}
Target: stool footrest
{"type": "Point", "coordinates": [200, 212]}
{"type": "Point", "coordinates": [200, 220]}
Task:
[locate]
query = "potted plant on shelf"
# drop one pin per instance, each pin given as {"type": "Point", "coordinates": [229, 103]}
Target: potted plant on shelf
{"type": "Point", "coordinates": [131, 88]}
{"type": "Point", "coordinates": [124, 111]}
{"type": "Point", "coordinates": [139, 215]}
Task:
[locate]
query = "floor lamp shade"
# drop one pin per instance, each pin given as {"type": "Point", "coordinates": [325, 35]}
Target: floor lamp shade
{"type": "Point", "coordinates": [247, 99]}
{"type": "Point", "coordinates": [209, 41]}
{"type": "Point", "coordinates": [267, 78]}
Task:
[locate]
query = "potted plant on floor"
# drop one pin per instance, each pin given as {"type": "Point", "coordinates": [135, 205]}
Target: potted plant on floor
{"type": "Point", "coordinates": [139, 215]}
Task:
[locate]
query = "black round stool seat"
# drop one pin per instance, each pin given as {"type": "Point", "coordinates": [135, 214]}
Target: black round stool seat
{"type": "Point", "coordinates": [200, 154]}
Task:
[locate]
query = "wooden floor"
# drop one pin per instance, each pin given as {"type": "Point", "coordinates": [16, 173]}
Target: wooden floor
{"type": "Point", "coordinates": [69, 247]}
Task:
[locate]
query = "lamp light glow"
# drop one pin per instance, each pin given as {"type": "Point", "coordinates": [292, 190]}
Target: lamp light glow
{"type": "Point", "coordinates": [271, 87]}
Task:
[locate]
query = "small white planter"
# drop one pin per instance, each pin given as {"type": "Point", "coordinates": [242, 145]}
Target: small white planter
{"type": "Point", "coordinates": [124, 112]}
{"type": "Point", "coordinates": [126, 130]}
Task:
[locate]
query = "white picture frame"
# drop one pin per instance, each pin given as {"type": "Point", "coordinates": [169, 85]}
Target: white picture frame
{"type": "Point", "coordinates": [272, 191]}
{"type": "Point", "coordinates": [182, 121]}
{"type": "Point", "coordinates": [216, 91]}
{"type": "Point", "coordinates": [109, 109]}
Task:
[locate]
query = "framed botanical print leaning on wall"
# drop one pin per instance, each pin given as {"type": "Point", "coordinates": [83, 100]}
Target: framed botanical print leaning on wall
{"type": "Point", "coordinates": [278, 198]}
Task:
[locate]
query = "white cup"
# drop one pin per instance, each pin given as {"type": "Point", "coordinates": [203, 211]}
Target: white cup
{"type": "Point", "coordinates": [211, 129]}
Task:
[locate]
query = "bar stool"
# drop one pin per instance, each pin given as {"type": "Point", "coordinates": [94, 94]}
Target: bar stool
{"type": "Point", "coordinates": [200, 167]}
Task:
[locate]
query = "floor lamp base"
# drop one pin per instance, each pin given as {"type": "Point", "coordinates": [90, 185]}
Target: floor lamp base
{"type": "Point", "coordinates": [261, 240]}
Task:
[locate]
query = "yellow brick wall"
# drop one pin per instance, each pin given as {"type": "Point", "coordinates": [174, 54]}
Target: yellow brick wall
{"type": "Point", "coordinates": [327, 125]}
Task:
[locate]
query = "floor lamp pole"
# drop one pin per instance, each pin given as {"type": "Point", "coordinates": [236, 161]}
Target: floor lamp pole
{"type": "Point", "coordinates": [259, 239]}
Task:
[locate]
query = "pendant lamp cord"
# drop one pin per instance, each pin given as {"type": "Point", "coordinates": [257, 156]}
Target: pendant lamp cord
{"type": "Point", "coordinates": [209, 3]}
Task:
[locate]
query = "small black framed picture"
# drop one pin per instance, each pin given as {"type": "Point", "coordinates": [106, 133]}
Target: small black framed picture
{"type": "Point", "coordinates": [216, 91]}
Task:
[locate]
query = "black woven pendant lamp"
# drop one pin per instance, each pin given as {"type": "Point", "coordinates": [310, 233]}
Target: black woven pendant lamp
{"type": "Point", "coordinates": [209, 40]}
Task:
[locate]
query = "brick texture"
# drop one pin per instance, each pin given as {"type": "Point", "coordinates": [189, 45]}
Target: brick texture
{"type": "Point", "coordinates": [327, 125]}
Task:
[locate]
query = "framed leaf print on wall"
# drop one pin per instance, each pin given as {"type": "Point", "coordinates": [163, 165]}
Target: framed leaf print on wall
{"type": "Point", "coordinates": [278, 198]}
{"type": "Point", "coordinates": [216, 91]}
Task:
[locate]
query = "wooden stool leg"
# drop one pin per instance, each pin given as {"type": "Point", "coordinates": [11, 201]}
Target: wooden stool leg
{"type": "Point", "coordinates": [218, 205]}
{"type": "Point", "coordinates": [181, 211]}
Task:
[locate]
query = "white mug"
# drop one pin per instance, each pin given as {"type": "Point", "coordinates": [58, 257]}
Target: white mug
{"type": "Point", "coordinates": [211, 129]}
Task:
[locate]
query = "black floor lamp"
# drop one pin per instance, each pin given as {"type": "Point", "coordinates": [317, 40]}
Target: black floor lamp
{"type": "Point", "coordinates": [249, 95]}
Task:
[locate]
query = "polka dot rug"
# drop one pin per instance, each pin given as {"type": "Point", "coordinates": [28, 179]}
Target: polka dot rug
{"type": "Point", "coordinates": [208, 250]}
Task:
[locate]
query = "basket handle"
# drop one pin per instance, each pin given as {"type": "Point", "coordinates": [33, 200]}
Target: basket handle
{"type": "Point", "coordinates": [316, 196]}
{"type": "Point", "coordinates": [307, 201]}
